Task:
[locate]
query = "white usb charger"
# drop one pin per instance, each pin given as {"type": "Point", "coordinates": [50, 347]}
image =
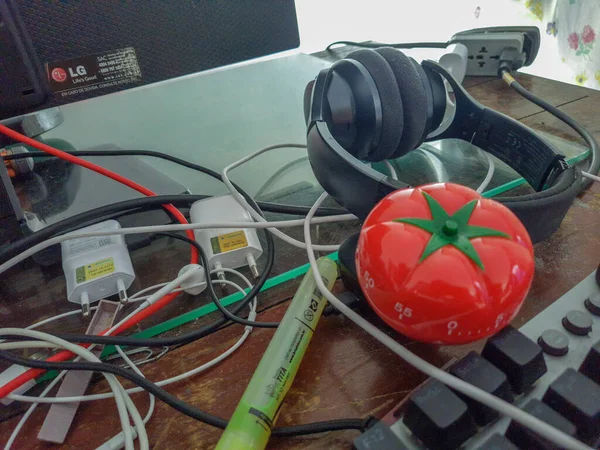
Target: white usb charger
{"type": "Point", "coordinates": [226, 247]}
{"type": "Point", "coordinates": [97, 267]}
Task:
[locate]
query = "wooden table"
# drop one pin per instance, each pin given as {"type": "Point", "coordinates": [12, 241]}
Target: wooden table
{"type": "Point", "coordinates": [346, 373]}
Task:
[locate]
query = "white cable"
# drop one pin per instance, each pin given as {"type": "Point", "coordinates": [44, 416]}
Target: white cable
{"type": "Point", "coordinates": [391, 170]}
{"type": "Point", "coordinates": [59, 316]}
{"type": "Point", "coordinates": [53, 318]}
{"type": "Point", "coordinates": [136, 297]}
{"type": "Point", "coordinates": [123, 406]}
{"type": "Point", "coordinates": [591, 176]}
{"type": "Point", "coordinates": [118, 441]}
{"type": "Point", "coordinates": [30, 411]}
{"type": "Point", "coordinates": [175, 379]}
{"type": "Point", "coordinates": [242, 201]}
{"type": "Point", "coordinates": [166, 289]}
{"type": "Point", "coordinates": [129, 404]}
{"type": "Point", "coordinates": [108, 395]}
{"type": "Point", "coordinates": [554, 435]}
{"type": "Point", "coordinates": [490, 173]}
{"type": "Point", "coordinates": [160, 228]}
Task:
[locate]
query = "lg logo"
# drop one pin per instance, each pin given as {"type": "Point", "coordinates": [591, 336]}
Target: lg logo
{"type": "Point", "coordinates": [60, 75]}
{"type": "Point", "coordinates": [79, 70]}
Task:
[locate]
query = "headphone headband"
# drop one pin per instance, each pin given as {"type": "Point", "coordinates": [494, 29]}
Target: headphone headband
{"type": "Point", "coordinates": [502, 136]}
{"type": "Point", "coordinates": [358, 187]}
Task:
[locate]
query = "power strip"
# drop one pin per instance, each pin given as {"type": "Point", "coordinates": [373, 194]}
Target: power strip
{"type": "Point", "coordinates": [486, 46]}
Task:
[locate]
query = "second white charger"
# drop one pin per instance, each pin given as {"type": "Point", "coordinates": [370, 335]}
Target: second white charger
{"type": "Point", "coordinates": [226, 247]}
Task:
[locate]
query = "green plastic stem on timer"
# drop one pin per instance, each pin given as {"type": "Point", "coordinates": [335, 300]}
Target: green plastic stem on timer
{"type": "Point", "coordinates": [251, 423]}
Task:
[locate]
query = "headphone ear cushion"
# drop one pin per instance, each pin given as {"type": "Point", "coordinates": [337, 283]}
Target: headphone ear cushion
{"type": "Point", "coordinates": [391, 103]}
{"type": "Point", "coordinates": [414, 99]}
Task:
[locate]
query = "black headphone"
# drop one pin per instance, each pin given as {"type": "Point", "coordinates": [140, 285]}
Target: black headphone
{"type": "Point", "coordinates": [380, 104]}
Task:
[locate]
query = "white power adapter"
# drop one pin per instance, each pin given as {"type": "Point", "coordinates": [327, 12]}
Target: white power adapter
{"type": "Point", "coordinates": [226, 247]}
{"type": "Point", "coordinates": [97, 267]}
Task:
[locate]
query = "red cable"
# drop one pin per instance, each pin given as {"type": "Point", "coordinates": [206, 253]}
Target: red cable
{"type": "Point", "coordinates": [64, 355]}
{"type": "Point", "coordinates": [102, 171]}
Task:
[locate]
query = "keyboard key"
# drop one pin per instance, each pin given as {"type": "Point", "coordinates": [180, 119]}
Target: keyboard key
{"type": "Point", "coordinates": [554, 342]}
{"type": "Point", "coordinates": [517, 356]}
{"type": "Point", "coordinates": [593, 304]}
{"type": "Point", "coordinates": [498, 442]}
{"type": "Point", "coordinates": [378, 437]}
{"type": "Point", "coordinates": [438, 417]}
{"type": "Point", "coordinates": [590, 366]}
{"type": "Point", "coordinates": [480, 372]}
{"type": "Point", "coordinates": [523, 437]}
{"type": "Point", "coordinates": [577, 398]}
{"type": "Point", "coordinates": [578, 322]}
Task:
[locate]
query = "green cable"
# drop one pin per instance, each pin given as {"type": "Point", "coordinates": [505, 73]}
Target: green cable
{"type": "Point", "coordinates": [284, 277]}
{"type": "Point", "coordinates": [272, 282]}
{"type": "Point", "coordinates": [201, 312]}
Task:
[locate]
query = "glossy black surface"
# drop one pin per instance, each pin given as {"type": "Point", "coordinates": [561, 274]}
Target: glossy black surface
{"type": "Point", "coordinates": [577, 398]}
{"type": "Point", "coordinates": [438, 417]}
{"type": "Point", "coordinates": [479, 372]}
{"type": "Point", "coordinates": [498, 442]}
{"type": "Point", "coordinates": [517, 356]}
{"type": "Point", "coordinates": [524, 438]}
{"type": "Point", "coordinates": [378, 437]}
{"type": "Point", "coordinates": [591, 364]}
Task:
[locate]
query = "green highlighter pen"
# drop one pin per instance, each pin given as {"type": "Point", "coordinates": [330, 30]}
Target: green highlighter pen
{"type": "Point", "coordinates": [251, 423]}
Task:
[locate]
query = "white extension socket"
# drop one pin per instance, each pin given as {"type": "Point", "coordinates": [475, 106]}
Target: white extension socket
{"type": "Point", "coordinates": [517, 46]}
{"type": "Point", "coordinates": [485, 50]}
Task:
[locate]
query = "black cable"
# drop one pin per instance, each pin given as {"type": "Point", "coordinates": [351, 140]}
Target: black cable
{"type": "Point", "coordinates": [180, 405]}
{"type": "Point", "coordinates": [105, 212]}
{"type": "Point", "coordinates": [211, 288]}
{"type": "Point", "coordinates": [265, 206]}
{"type": "Point", "coordinates": [193, 335]}
{"type": "Point", "coordinates": [406, 45]}
{"type": "Point", "coordinates": [589, 139]}
{"type": "Point", "coordinates": [175, 340]}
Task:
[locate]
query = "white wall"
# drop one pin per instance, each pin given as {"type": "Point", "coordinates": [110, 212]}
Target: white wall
{"type": "Point", "coordinates": [324, 21]}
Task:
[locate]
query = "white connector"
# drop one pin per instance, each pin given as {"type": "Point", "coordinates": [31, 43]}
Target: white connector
{"type": "Point", "coordinates": [226, 247]}
{"type": "Point", "coordinates": [454, 60]}
{"type": "Point", "coordinates": [197, 282]}
{"type": "Point", "coordinates": [97, 267]}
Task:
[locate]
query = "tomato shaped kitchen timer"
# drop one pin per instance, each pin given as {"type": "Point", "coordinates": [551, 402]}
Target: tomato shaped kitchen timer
{"type": "Point", "coordinates": [441, 264]}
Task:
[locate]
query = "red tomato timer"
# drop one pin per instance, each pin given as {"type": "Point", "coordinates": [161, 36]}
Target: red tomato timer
{"type": "Point", "coordinates": [441, 264]}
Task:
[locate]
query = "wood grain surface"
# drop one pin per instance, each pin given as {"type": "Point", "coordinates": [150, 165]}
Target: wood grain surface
{"type": "Point", "coordinates": [345, 373]}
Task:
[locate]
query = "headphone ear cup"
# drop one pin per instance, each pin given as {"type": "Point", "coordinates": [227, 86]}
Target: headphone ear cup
{"type": "Point", "coordinates": [414, 99]}
{"type": "Point", "coordinates": [391, 103]}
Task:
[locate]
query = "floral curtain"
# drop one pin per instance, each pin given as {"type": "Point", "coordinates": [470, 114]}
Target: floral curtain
{"type": "Point", "coordinates": [574, 26]}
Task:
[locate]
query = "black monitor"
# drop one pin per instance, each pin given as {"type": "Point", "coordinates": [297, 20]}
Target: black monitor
{"type": "Point", "coordinates": [53, 53]}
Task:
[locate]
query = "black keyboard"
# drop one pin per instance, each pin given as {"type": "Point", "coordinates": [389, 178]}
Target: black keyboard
{"type": "Point", "coordinates": [550, 367]}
